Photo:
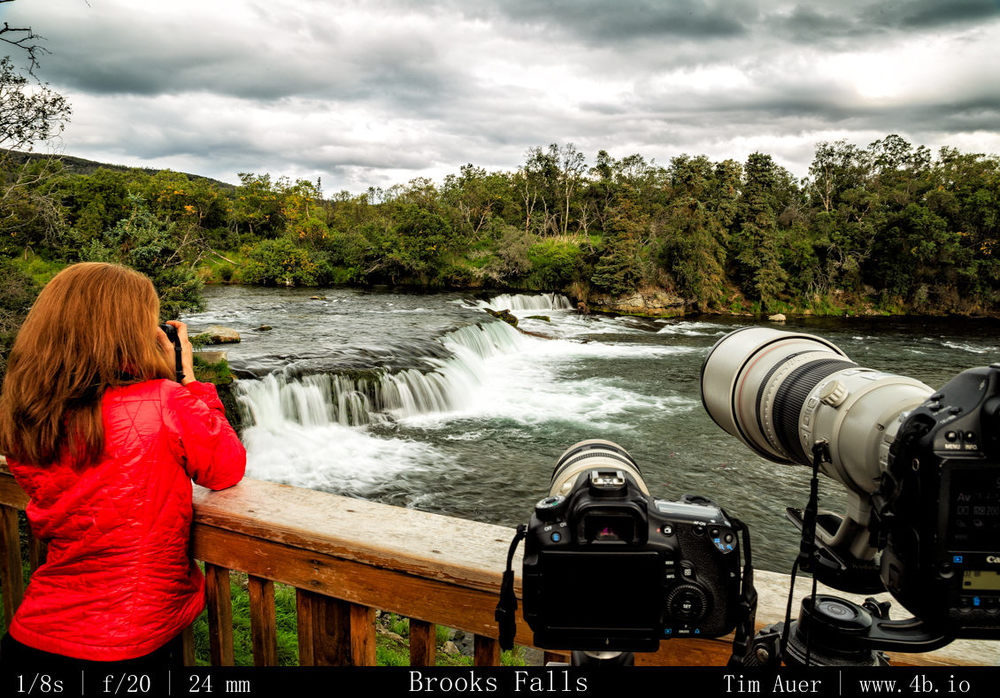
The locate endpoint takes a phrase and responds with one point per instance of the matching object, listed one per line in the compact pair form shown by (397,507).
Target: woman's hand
(187,351)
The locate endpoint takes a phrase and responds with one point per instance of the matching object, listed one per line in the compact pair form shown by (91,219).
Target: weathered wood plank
(557,657)
(423,643)
(10,563)
(406,540)
(220,614)
(332,634)
(487,651)
(11,493)
(263,624)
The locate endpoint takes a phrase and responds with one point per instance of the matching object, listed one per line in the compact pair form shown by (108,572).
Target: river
(426,401)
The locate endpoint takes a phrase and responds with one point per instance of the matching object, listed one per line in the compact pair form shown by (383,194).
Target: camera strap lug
(744,633)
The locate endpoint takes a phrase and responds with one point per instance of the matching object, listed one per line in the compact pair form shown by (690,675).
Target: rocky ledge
(652,301)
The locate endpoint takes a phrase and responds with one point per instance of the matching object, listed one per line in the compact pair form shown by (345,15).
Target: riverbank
(648,301)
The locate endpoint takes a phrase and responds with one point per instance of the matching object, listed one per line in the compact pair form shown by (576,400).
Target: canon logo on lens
(993,559)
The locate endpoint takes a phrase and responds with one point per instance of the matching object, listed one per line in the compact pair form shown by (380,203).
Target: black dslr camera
(937,510)
(607,567)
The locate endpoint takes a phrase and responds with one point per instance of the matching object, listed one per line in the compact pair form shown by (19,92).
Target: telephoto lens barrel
(781,392)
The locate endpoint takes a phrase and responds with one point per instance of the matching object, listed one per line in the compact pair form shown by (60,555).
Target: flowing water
(426,401)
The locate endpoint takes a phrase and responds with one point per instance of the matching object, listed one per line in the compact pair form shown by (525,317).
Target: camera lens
(781,392)
(756,378)
(590,455)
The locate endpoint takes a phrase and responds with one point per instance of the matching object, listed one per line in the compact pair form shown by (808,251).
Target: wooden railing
(348,557)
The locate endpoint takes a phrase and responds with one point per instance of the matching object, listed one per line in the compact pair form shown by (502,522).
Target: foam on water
(334,458)
(971,348)
(694,329)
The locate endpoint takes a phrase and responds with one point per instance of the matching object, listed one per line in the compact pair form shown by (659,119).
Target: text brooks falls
(549,681)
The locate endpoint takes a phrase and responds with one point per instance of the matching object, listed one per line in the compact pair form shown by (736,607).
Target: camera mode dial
(550,508)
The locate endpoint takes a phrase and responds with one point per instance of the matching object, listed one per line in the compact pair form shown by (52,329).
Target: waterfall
(523,301)
(357,399)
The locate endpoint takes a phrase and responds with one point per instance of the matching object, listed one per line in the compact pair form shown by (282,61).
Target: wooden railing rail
(347,557)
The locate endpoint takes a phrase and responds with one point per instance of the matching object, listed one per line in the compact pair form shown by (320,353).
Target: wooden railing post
(220,615)
(423,641)
(336,632)
(262,622)
(10,566)
(306,626)
(362,635)
(487,651)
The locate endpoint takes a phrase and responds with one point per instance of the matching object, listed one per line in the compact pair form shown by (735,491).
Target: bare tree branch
(26,40)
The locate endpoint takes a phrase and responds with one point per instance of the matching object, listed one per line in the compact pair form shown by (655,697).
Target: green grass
(217,373)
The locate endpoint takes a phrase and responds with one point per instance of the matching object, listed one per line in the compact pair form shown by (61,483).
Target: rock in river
(217,334)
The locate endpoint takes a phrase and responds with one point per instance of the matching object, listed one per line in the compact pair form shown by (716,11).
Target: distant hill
(81,166)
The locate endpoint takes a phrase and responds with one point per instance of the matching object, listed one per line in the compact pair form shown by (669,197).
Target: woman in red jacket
(106,445)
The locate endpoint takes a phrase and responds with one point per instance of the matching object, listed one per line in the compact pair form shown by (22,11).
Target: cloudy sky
(378,92)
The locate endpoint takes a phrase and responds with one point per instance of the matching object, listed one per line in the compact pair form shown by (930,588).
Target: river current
(426,401)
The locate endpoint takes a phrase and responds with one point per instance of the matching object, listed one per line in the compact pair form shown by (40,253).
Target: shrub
(554,263)
(279,262)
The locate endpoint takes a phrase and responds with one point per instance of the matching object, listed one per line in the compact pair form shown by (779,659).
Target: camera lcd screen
(974,523)
(593,590)
(980,580)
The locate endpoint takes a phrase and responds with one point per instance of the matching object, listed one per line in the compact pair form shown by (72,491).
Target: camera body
(175,339)
(938,508)
(606,567)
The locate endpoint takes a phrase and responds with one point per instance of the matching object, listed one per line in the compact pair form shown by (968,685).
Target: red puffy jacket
(119,580)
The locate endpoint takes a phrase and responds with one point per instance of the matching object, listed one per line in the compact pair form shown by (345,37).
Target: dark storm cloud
(927,14)
(861,20)
(601,20)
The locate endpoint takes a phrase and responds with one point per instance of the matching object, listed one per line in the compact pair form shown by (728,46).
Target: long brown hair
(92,327)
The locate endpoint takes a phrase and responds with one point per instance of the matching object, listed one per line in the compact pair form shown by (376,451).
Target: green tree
(756,242)
(617,269)
(17,293)
(147,244)
(694,245)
